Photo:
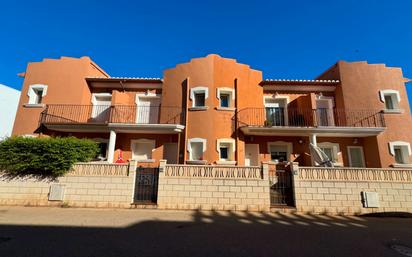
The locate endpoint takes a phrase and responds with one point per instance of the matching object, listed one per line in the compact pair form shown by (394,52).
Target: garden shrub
(45,156)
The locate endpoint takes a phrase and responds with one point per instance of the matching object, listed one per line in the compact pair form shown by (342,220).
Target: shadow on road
(214,234)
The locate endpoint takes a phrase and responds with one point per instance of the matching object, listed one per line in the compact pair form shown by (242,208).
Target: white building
(9,100)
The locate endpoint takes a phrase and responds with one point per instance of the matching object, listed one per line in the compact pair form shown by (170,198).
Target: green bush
(45,156)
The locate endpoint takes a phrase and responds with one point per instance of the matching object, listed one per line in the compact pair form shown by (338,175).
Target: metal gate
(146,183)
(281,188)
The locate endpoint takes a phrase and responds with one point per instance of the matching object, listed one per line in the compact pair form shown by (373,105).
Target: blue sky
(284,39)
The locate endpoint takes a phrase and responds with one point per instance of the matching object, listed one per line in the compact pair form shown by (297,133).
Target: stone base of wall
(213,194)
(80,191)
(341,193)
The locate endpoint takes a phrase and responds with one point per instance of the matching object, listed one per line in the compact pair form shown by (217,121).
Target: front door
(355,154)
(251,154)
(170,152)
(148,110)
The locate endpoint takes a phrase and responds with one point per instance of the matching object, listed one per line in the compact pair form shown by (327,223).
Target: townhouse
(216,111)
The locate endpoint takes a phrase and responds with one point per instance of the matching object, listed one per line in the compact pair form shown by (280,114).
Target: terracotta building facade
(216,111)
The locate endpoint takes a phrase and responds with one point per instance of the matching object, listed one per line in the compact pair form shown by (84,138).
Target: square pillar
(312,140)
(112,145)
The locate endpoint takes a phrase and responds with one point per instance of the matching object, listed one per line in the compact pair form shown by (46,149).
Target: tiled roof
(302,80)
(299,82)
(123,78)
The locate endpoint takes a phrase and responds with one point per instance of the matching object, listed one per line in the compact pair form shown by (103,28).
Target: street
(43,231)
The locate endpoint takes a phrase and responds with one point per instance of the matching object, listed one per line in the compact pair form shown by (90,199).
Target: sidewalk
(30,231)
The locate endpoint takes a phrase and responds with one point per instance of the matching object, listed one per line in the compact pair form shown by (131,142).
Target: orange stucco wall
(358,89)
(65,80)
(212,72)
(300,148)
(360,86)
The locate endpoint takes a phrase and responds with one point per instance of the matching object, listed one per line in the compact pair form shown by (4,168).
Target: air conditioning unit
(370,199)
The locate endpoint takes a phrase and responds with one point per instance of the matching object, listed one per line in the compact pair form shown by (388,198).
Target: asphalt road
(29,231)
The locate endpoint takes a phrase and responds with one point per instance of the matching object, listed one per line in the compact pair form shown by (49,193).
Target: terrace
(100,118)
(290,121)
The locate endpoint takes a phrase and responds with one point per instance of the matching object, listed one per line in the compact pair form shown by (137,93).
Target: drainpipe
(236,124)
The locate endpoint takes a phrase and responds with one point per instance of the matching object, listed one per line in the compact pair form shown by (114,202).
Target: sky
(284,39)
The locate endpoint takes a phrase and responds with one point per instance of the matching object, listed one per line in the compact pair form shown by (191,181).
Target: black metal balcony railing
(310,117)
(102,114)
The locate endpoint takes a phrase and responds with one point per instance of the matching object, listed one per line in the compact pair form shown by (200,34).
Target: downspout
(236,123)
(186,117)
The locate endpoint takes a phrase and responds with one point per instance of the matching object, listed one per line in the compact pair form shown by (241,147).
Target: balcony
(289,121)
(98,118)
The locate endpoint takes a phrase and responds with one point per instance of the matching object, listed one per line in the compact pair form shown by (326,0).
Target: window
(401,151)
(39,95)
(36,93)
(101,106)
(279,151)
(226,149)
(388,102)
(197,151)
(148,107)
(398,155)
(391,98)
(224,100)
(102,150)
(276,110)
(356,158)
(199,100)
(331,150)
(196,148)
(142,149)
(198,95)
(224,152)
(226,97)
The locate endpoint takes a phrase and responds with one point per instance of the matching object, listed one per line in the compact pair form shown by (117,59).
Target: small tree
(45,156)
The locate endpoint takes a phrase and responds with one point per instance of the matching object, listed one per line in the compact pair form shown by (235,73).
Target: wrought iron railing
(270,117)
(102,114)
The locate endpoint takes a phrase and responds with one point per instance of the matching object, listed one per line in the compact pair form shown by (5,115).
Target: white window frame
(289,148)
(396,98)
(144,141)
(195,140)
(31,93)
(362,153)
(231,151)
(405,154)
(285,108)
(335,150)
(195,90)
(230,92)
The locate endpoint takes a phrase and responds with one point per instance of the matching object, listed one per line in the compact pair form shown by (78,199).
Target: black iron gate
(146,183)
(281,188)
